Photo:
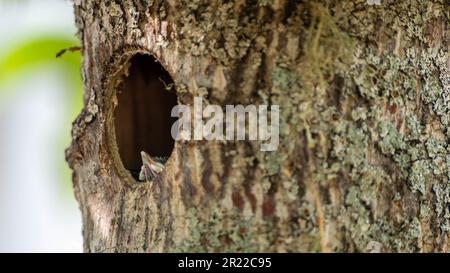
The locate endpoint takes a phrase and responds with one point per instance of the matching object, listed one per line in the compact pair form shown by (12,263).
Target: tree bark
(363,162)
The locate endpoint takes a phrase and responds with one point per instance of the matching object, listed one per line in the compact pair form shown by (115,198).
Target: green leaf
(40,53)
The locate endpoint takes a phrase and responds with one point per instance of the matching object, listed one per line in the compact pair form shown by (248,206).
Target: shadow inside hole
(142,116)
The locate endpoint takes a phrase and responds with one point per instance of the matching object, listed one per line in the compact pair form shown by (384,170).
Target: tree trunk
(363,162)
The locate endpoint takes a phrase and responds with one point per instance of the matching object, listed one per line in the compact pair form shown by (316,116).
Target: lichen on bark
(364,100)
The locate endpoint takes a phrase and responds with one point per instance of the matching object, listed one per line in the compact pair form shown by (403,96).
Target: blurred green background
(40,96)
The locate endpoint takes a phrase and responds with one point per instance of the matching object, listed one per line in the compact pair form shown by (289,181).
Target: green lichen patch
(216,231)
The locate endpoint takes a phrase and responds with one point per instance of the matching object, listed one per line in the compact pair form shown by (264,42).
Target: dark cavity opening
(142,115)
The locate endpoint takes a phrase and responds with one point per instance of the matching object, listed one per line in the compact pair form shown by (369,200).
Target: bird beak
(146,157)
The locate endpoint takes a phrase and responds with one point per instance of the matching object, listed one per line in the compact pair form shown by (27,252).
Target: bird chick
(150,168)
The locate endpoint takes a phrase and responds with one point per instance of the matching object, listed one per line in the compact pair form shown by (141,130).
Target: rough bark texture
(364,157)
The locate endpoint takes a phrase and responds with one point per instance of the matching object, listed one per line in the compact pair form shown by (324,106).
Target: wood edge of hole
(112,80)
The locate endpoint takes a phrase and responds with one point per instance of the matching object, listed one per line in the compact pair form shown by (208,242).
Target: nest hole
(142,118)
